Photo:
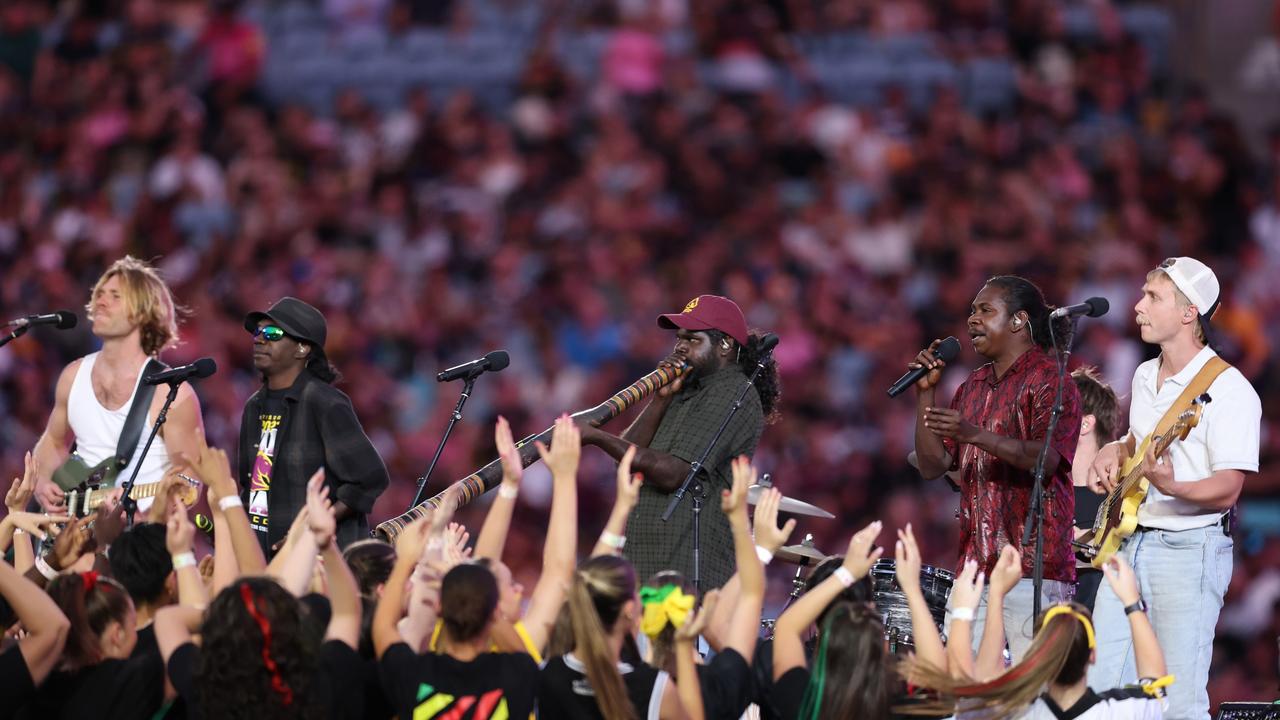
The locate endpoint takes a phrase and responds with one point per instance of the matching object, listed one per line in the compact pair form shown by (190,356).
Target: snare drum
(935,583)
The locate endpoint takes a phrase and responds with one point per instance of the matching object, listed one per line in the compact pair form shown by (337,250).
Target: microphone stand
(126,500)
(453,420)
(690,483)
(1036,511)
(17,333)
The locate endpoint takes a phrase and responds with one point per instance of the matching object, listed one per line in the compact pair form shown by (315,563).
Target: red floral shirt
(995,496)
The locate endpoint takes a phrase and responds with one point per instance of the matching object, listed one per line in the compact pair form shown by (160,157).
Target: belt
(1227,523)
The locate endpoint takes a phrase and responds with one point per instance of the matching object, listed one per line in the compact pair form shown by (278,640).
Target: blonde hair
(1182,301)
(1059,654)
(148,301)
(601,586)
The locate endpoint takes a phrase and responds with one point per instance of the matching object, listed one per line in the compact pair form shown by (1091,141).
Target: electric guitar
(1118,514)
(86,498)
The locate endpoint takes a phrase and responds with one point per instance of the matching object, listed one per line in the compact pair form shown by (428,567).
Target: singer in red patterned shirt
(992,433)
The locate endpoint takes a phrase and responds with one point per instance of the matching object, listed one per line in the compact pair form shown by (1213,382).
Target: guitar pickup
(1084,548)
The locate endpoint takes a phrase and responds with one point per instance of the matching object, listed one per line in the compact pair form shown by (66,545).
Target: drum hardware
(788,504)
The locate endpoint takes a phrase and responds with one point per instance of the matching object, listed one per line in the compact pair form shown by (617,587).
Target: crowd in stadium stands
(447,178)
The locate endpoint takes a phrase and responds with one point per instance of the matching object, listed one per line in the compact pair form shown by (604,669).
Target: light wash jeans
(1182,576)
(1018,607)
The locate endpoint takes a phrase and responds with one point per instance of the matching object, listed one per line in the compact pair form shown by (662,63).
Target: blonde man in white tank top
(132,311)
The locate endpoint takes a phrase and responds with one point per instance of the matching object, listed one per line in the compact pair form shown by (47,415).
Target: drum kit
(890,601)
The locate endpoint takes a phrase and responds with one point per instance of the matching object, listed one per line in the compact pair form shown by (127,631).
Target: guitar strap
(1198,385)
(137,417)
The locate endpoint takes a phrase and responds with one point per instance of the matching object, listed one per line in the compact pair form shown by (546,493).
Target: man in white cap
(1181,551)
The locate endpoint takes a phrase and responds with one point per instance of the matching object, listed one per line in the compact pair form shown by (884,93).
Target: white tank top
(97,430)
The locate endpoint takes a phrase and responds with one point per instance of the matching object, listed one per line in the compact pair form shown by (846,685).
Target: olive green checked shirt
(690,422)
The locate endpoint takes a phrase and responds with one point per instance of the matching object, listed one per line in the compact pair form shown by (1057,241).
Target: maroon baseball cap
(709,312)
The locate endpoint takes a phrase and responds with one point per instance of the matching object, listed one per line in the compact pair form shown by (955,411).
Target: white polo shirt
(1226,437)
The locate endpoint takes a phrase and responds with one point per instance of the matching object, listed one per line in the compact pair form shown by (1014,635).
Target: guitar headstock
(1191,416)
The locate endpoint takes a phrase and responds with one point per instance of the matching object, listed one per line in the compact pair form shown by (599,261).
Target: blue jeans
(1182,576)
(1018,607)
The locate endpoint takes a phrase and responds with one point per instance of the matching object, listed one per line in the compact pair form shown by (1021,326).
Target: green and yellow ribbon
(662,605)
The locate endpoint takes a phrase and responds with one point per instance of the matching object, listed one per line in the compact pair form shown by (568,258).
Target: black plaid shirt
(688,425)
(319,428)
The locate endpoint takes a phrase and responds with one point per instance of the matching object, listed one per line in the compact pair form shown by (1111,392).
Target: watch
(1139,606)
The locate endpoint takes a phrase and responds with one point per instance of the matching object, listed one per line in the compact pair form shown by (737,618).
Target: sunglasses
(270,333)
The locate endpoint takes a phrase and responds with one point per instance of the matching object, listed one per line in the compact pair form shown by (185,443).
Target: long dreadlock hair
(768,386)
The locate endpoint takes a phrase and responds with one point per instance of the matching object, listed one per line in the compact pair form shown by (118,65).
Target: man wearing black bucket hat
(298,423)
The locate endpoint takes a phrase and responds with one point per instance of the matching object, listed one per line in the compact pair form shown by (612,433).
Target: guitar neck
(94,497)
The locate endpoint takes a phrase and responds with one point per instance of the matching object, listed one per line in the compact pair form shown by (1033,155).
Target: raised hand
(696,623)
(566,448)
(455,548)
(512,469)
(412,541)
(1007,572)
(734,500)
(768,536)
(212,468)
(71,543)
(179,534)
(628,483)
(320,517)
(1120,577)
(108,522)
(21,491)
(967,590)
(907,560)
(36,525)
(863,552)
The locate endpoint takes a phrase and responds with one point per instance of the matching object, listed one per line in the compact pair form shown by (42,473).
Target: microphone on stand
(496,361)
(62,319)
(1093,307)
(202,368)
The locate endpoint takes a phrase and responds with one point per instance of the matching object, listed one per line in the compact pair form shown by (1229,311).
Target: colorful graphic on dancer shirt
(260,482)
(431,704)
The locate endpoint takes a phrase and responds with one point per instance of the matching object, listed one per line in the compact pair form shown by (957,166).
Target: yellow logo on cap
(692,304)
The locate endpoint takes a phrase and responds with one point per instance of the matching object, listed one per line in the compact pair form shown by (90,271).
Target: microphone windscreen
(948,349)
(768,343)
(66,320)
(498,360)
(205,367)
(1098,306)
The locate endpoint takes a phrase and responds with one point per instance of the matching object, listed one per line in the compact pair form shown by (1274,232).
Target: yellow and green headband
(662,605)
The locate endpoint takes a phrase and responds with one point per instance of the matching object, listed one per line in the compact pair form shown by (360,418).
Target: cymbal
(788,505)
(800,554)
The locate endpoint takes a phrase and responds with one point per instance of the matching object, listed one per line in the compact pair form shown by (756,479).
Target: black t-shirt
(565,692)
(727,686)
(124,689)
(16,685)
(435,681)
(258,504)
(788,692)
(339,666)
(1087,504)
(148,645)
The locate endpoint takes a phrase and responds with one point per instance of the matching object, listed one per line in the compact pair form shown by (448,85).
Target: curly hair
(149,302)
(768,385)
(246,674)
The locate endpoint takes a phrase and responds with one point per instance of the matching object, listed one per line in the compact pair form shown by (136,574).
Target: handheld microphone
(62,320)
(946,352)
(202,368)
(1093,307)
(495,361)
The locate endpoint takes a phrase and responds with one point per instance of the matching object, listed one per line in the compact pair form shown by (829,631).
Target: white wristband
(844,576)
(613,540)
(764,555)
(43,566)
(181,560)
(229,502)
(962,613)
(508,491)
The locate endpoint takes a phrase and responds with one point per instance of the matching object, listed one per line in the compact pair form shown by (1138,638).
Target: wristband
(613,540)
(229,502)
(508,491)
(963,613)
(844,576)
(1132,608)
(43,566)
(764,555)
(186,559)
